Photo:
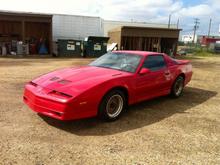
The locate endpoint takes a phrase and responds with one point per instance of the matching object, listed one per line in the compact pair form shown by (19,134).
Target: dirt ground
(160,131)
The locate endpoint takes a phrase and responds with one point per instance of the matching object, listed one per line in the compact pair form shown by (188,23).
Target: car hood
(74,81)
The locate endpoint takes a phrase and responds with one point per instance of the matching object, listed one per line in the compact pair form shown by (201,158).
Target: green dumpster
(95,46)
(70,48)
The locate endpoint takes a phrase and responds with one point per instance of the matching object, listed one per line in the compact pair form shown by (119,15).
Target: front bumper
(39,101)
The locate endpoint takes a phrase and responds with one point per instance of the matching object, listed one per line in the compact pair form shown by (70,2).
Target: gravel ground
(160,131)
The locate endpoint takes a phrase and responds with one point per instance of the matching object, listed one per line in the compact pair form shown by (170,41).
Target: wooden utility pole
(169,21)
(210,25)
(178,21)
(196,27)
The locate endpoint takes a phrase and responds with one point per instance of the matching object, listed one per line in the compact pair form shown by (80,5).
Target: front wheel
(177,88)
(112,105)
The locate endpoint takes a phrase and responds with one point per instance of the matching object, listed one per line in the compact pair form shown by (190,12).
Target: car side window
(154,63)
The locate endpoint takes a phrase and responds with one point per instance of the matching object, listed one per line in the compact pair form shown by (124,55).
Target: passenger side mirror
(144,71)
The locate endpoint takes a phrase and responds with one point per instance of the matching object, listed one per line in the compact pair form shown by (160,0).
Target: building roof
(75,15)
(20,13)
(158,28)
(7,12)
(119,28)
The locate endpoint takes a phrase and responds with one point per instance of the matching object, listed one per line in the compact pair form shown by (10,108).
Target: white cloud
(215,4)
(197,11)
(137,10)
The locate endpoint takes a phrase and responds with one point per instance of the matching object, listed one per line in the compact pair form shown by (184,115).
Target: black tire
(106,105)
(177,87)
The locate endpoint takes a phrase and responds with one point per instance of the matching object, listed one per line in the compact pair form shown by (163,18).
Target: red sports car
(106,86)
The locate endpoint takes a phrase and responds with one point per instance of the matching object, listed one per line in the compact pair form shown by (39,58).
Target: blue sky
(126,10)
(188,3)
(210,10)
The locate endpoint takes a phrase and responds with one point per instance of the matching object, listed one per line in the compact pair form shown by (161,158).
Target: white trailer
(76,27)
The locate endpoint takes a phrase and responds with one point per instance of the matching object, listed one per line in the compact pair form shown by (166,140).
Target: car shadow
(137,116)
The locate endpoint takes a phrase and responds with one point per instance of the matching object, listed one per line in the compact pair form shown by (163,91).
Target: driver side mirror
(144,71)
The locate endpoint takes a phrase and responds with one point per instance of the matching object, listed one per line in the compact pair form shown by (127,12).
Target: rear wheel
(177,88)
(112,105)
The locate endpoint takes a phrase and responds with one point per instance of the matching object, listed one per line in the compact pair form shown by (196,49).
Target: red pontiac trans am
(106,86)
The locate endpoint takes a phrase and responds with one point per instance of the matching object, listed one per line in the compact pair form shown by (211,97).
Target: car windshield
(118,61)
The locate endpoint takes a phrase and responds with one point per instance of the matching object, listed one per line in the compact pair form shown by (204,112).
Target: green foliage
(194,51)
(198,50)
(203,51)
(181,43)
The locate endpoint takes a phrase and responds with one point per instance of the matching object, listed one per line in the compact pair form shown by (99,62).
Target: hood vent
(32,83)
(54,78)
(64,82)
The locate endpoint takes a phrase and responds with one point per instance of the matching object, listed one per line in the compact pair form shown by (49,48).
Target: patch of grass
(203,53)
(188,57)
(199,51)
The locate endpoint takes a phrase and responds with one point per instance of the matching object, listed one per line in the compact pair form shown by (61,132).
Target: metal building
(76,27)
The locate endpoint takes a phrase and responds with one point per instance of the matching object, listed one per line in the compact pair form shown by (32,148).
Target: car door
(156,81)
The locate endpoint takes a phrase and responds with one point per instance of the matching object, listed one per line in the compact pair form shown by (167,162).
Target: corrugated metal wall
(76,27)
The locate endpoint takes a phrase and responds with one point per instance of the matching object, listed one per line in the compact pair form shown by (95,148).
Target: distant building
(207,40)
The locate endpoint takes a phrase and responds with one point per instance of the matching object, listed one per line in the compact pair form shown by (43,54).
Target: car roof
(142,53)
